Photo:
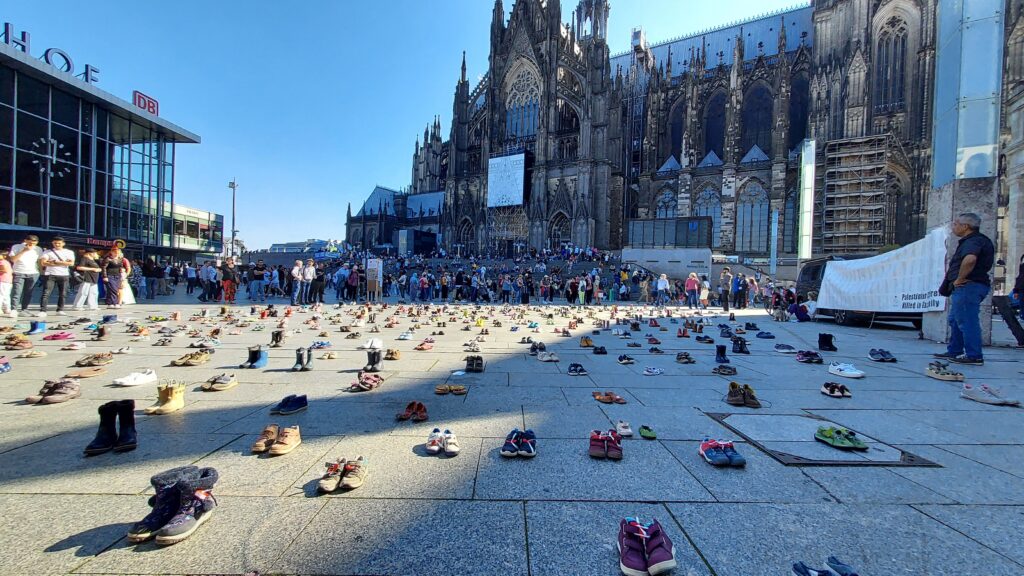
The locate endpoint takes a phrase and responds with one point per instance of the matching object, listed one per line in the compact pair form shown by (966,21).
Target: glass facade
(76,168)
(968,82)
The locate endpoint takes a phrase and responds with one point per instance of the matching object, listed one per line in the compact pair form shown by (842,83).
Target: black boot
(300,359)
(106,436)
(720,356)
(739,345)
(254,355)
(193,509)
(127,439)
(378,356)
(307,362)
(276,338)
(825,343)
(369,361)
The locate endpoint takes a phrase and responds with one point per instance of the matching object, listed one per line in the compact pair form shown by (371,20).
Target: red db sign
(146,103)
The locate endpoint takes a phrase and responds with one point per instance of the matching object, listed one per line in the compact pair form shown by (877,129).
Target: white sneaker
(435,442)
(61,313)
(41,315)
(451,444)
(622,427)
(13,313)
(845,370)
(653,371)
(137,378)
(986,395)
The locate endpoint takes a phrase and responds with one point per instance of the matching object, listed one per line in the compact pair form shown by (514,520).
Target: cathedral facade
(709,125)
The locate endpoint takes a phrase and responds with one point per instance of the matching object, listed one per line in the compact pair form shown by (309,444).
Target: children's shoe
(435,442)
(845,370)
(622,427)
(712,452)
(598,444)
(661,553)
(801,569)
(331,479)
(451,444)
(653,371)
(736,459)
(528,444)
(510,449)
(613,445)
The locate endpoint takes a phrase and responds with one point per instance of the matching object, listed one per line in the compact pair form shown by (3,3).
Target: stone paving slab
(872,486)
(875,539)
(965,481)
(987,525)
(559,527)
(54,534)
(422,537)
(1008,458)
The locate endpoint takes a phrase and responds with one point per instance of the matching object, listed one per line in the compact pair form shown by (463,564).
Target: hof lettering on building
(55,57)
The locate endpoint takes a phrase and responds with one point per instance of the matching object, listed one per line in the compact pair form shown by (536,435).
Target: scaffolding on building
(508,229)
(857,206)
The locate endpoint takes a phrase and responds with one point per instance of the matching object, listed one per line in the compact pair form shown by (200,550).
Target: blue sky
(308,104)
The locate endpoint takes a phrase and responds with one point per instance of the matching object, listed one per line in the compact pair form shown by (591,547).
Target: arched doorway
(558,231)
(466,236)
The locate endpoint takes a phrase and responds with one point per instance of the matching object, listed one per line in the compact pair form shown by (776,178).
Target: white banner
(505,180)
(904,280)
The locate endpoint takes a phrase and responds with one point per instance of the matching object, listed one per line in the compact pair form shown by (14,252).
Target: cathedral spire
(782,36)
(464,64)
(668,64)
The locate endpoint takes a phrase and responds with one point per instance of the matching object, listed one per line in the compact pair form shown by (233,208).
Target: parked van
(809,280)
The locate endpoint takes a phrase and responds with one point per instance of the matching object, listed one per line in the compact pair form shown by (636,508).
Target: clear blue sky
(308,104)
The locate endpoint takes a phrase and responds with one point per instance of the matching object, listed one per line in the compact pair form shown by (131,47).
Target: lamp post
(234,186)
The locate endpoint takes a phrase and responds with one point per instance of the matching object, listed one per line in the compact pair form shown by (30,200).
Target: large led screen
(505,180)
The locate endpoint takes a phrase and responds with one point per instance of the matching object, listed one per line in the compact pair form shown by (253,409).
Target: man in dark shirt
(257,275)
(968,278)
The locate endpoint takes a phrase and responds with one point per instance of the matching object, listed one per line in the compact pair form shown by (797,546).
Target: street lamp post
(234,186)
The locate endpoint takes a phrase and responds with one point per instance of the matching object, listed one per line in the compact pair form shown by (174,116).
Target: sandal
(457,390)
(86,373)
(941,371)
(442,389)
(602,398)
(614,397)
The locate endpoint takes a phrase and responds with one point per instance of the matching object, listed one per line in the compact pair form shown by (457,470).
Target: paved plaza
(940,491)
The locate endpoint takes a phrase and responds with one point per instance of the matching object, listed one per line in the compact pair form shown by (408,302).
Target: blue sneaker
(5,366)
(528,444)
(736,459)
(511,447)
(296,404)
(713,453)
(284,402)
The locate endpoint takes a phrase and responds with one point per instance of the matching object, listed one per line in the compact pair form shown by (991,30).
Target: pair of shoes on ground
(475,364)
(653,371)
(836,390)
(415,411)
(840,438)
(880,355)
(605,444)
(182,503)
(170,398)
(644,548)
(519,443)
(742,395)
(259,356)
(109,437)
(445,442)
(576,369)
(277,441)
(291,404)
(809,357)
(685,358)
(56,392)
(845,370)
(455,389)
(220,383)
(724,370)
(547,357)
(608,397)
(940,371)
(194,358)
(303,360)
(987,395)
(342,473)
(720,453)
(147,376)
(625,359)
(841,569)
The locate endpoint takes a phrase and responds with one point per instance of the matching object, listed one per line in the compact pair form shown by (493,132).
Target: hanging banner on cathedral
(505,180)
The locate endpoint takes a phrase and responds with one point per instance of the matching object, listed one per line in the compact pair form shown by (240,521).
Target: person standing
(190,278)
(229,276)
(256,282)
(56,264)
(149,273)
(352,284)
(88,290)
(6,279)
(295,276)
(725,287)
(967,283)
(115,266)
(25,262)
(308,274)
(692,288)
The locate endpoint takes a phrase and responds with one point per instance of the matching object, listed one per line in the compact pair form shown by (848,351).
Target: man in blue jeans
(967,277)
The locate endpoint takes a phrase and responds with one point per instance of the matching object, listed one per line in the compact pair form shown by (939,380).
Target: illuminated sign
(146,103)
(55,57)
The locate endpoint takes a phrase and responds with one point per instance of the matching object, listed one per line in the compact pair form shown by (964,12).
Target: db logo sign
(146,103)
